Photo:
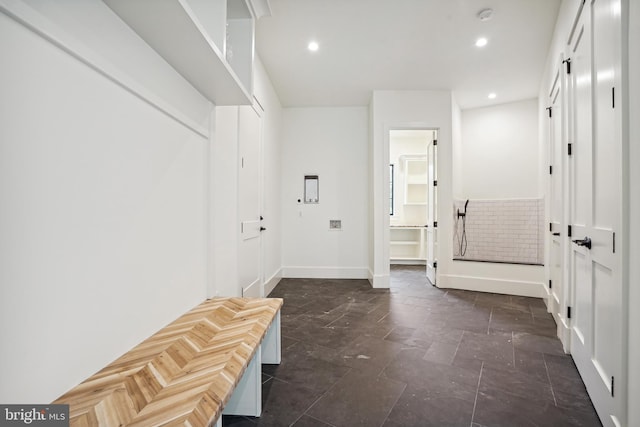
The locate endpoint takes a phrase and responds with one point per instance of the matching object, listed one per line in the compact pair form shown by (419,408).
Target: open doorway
(412,198)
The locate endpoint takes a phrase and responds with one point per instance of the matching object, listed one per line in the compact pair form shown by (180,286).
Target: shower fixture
(462,240)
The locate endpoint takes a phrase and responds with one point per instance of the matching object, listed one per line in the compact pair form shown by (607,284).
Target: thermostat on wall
(311,189)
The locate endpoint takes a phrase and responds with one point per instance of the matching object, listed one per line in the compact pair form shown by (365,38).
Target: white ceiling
(405,45)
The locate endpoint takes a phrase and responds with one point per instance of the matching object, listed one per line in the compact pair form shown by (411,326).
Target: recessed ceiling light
(313,46)
(492,95)
(481,42)
(485,14)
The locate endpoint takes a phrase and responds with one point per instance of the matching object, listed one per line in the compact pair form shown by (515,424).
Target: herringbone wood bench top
(182,375)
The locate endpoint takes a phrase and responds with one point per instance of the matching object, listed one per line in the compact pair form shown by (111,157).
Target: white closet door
(249,203)
(595,211)
(558,241)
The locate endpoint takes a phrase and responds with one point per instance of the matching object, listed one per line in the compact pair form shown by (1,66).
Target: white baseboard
(252,291)
(498,286)
(325,272)
(272,282)
(380,281)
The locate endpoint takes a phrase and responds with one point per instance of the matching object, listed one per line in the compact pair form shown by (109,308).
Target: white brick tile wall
(501,230)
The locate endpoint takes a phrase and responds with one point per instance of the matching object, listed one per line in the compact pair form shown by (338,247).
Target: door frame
(385,187)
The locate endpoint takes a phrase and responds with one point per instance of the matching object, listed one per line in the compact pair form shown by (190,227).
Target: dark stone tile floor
(416,355)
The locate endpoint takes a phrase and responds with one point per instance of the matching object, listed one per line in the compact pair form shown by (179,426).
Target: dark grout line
(513,350)
(475,402)
(401,300)
(546,368)
(321,396)
(393,406)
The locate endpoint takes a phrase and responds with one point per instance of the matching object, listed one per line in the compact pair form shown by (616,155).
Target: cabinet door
(249,201)
(595,211)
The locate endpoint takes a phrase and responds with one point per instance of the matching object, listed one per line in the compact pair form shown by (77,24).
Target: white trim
(272,282)
(381,281)
(498,286)
(301,272)
(35,22)
(252,291)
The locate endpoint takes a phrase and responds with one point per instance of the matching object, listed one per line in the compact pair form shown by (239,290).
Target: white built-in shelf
(407,243)
(415,179)
(209,42)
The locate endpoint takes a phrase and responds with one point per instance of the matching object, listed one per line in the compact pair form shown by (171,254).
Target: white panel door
(249,202)
(557,140)
(595,211)
(432,209)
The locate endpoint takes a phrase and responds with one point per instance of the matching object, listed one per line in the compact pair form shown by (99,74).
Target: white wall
(224,213)
(499,151)
(103,217)
(331,143)
(456,142)
(495,158)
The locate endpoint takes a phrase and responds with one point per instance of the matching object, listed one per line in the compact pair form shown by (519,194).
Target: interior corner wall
(331,143)
(495,152)
(371,192)
(103,189)
(499,151)
(456,142)
(223,212)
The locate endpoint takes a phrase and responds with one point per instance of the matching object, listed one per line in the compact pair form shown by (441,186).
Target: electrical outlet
(335,224)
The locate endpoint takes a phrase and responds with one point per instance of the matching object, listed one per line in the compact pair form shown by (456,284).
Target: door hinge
(435,142)
(242,162)
(612,384)
(568,62)
(569,230)
(549,283)
(435,182)
(613,97)
(435,264)
(549,109)
(568,312)
(614,242)
(550,170)
(435,224)
(569,147)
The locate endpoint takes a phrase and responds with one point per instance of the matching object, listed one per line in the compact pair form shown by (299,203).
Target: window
(391,178)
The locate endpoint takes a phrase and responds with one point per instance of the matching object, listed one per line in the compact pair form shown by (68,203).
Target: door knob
(586,242)
(262,228)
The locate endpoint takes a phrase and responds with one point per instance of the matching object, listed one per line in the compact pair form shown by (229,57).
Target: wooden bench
(207,360)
